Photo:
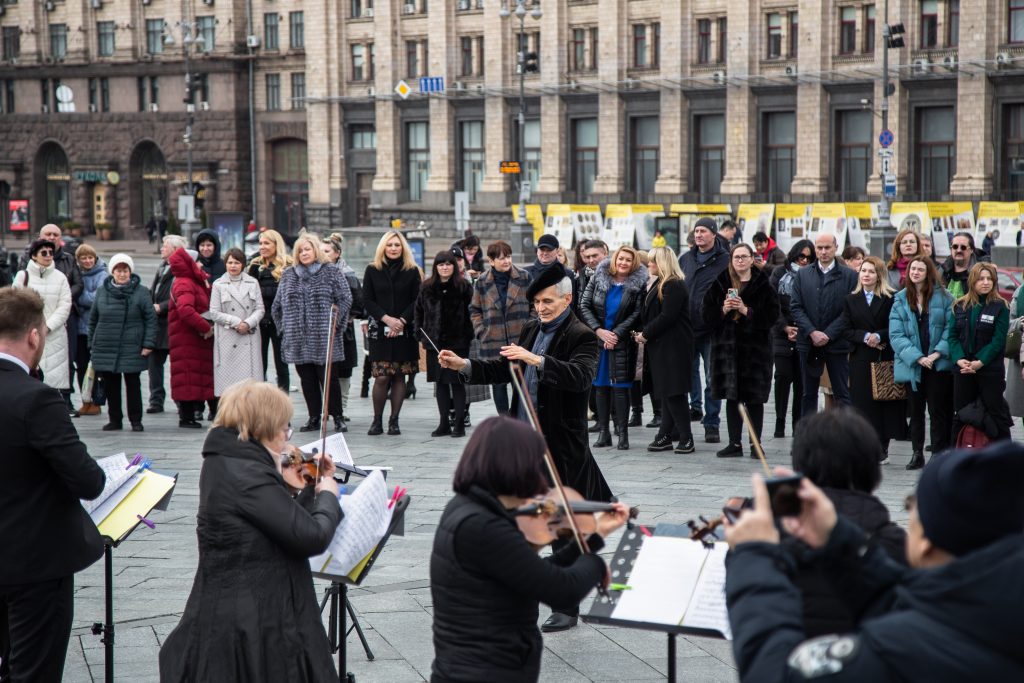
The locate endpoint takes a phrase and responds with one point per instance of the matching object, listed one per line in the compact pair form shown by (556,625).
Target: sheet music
(336,447)
(662,581)
(366,520)
(116,469)
(707,607)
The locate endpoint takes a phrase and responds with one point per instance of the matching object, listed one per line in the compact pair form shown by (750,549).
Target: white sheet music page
(662,581)
(117,471)
(366,520)
(707,607)
(336,447)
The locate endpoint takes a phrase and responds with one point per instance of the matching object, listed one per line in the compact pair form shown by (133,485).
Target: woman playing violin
(252,614)
(486,579)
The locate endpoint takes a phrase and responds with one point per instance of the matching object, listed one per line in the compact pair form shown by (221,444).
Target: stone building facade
(635,101)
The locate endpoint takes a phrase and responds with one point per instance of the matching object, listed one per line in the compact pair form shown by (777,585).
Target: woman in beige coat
(236,308)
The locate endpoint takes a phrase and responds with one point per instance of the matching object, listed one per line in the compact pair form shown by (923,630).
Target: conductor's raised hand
(757,524)
(448,360)
(817,516)
(516,352)
(607,522)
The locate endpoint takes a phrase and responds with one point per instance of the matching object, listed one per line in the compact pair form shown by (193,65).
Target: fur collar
(636,282)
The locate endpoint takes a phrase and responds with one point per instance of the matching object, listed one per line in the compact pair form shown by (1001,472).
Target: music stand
(337,594)
(621,566)
(106,629)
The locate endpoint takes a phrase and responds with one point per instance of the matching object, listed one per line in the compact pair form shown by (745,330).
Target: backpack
(971,437)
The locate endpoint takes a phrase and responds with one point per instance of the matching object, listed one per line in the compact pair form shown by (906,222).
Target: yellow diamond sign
(403,89)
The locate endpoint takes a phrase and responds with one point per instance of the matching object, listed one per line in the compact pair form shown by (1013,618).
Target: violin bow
(519,384)
(753,439)
(335,312)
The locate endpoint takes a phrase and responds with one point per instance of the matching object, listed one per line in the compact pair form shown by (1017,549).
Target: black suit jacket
(860,319)
(161,291)
(45,469)
(562,393)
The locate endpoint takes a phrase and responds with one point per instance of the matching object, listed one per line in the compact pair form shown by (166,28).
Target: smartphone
(782,491)
(733,293)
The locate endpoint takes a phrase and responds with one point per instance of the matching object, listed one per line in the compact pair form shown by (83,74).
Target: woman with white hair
(302,313)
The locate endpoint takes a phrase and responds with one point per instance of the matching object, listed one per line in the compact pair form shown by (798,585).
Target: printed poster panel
(1001,221)
(534,216)
(949,218)
(754,218)
(791,221)
(18,210)
(689,213)
(559,223)
(829,219)
(860,218)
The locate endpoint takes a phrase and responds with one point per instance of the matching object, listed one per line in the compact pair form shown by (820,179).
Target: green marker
(619,587)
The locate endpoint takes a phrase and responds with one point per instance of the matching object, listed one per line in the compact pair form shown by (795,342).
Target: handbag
(883,382)
(1013,339)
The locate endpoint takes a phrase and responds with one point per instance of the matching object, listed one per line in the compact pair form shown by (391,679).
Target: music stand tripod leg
(671,658)
(359,630)
(106,629)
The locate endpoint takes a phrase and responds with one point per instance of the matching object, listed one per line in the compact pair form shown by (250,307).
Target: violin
(307,465)
(707,531)
(543,520)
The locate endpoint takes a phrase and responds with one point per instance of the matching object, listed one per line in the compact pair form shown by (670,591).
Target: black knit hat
(548,277)
(706,222)
(969,498)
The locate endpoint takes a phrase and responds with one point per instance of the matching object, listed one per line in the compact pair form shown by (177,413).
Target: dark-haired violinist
(558,355)
(486,578)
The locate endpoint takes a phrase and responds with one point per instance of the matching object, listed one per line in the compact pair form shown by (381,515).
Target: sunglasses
(45,252)
(803,257)
(959,247)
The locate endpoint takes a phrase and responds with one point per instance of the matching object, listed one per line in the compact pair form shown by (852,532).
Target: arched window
(58,183)
(149,171)
(290,180)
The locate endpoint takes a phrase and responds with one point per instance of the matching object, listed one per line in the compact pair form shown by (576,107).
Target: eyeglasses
(803,257)
(45,252)
(742,257)
(959,247)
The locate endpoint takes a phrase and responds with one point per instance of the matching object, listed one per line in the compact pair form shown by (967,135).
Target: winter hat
(40,243)
(548,277)
(547,242)
(121,259)
(969,498)
(708,223)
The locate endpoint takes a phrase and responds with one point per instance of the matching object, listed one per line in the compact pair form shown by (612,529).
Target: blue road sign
(889,186)
(886,138)
(431,84)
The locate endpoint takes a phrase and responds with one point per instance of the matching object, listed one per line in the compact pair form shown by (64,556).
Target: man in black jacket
(819,292)
(701,266)
(954,615)
(161,293)
(558,355)
(45,533)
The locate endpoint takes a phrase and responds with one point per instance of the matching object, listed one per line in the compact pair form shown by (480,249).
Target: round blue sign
(885,138)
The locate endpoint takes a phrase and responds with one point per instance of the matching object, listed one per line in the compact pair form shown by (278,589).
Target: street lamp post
(522,231)
(892,38)
(191,39)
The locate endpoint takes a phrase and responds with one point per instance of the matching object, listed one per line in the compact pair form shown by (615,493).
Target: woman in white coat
(236,308)
(41,275)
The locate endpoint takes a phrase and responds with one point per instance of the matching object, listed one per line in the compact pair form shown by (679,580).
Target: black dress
(669,334)
(391,291)
(889,418)
(252,614)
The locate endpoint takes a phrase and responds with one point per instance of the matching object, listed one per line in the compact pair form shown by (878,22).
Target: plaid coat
(492,326)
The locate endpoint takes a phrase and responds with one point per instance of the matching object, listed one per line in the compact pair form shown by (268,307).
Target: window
(296,30)
(774,36)
(794,34)
(154,36)
(362,8)
(853,153)
(639,46)
(779,153)
(413,60)
(149,93)
(7,96)
(44,91)
(299,90)
(655,44)
(371,49)
(271,35)
(584,157)
(929,23)
(12,43)
(847,30)
(206,28)
(290,177)
(709,134)
(58,183)
(869,29)
(363,137)
(273,83)
(953,26)
(472,157)
(202,86)
(466,56)
(583,49)
(104,94)
(531,152)
(936,151)
(723,34)
(703,41)
(58,41)
(1013,162)
(417,136)
(645,134)
(105,38)
(1016,21)
(358,62)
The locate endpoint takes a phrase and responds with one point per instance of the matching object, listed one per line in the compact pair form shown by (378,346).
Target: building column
(387,182)
(673,159)
(741,124)
(612,128)
(501,38)
(443,136)
(812,135)
(323,117)
(553,129)
(975,153)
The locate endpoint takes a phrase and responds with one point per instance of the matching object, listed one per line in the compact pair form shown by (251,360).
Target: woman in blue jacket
(917,333)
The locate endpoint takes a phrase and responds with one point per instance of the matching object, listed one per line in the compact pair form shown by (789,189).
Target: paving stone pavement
(153,570)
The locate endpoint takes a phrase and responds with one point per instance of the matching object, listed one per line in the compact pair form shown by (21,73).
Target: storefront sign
(96,176)
(181,177)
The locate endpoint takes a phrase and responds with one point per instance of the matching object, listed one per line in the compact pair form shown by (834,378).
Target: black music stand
(621,566)
(106,628)
(337,595)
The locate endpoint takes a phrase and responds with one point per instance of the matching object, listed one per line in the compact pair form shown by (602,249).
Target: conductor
(559,356)
(44,470)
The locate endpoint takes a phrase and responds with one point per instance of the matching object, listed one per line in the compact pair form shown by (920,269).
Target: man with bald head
(819,291)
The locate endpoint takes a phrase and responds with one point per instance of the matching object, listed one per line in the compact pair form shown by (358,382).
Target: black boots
(444,428)
(602,396)
(622,418)
(312,424)
(637,419)
(376,428)
(393,429)
(916,461)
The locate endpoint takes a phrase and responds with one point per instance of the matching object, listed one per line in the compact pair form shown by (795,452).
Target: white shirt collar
(829,269)
(14,359)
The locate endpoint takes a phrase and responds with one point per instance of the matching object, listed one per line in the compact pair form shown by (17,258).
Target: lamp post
(191,39)
(522,231)
(892,38)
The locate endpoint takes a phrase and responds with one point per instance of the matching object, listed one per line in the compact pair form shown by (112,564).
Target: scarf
(540,347)
(306,272)
(501,281)
(901,265)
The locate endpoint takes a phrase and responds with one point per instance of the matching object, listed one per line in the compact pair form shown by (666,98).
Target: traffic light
(894,37)
(531,63)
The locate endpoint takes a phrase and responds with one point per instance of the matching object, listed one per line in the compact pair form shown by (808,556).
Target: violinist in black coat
(45,534)
(486,578)
(865,326)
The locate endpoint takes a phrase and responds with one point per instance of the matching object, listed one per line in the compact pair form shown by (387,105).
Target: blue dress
(611,308)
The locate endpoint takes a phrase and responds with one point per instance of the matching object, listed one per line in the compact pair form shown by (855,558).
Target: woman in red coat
(191,340)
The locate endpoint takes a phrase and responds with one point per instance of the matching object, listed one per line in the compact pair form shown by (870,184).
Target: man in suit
(559,355)
(161,292)
(45,532)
